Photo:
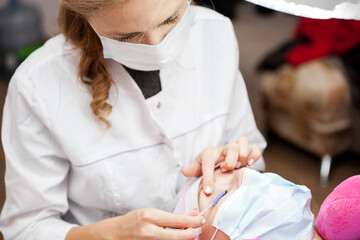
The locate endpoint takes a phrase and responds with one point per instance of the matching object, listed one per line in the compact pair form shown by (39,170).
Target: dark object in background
(20,35)
(330,36)
(315,38)
(264,11)
(274,59)
(351,61)
(225,7)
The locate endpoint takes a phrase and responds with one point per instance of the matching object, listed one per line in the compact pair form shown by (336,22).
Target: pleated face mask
(150,57)
(267,207)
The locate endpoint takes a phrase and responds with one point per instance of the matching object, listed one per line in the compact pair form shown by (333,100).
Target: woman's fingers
(175,234)
(204,165)
(194,212)
(247,155)
(157,224)
(255,154)
(149,223)
(166,219)
(209,159)
(240,154)
(244,150)
(231,153)
(194,169)
(153,231)
(233,156)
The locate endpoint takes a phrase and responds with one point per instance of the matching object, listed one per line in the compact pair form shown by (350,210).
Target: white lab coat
(63,167)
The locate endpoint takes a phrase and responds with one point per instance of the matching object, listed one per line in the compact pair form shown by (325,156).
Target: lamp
(319,9)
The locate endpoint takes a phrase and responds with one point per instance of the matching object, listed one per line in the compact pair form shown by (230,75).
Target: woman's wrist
(81,232)
(97,231)
(107,229)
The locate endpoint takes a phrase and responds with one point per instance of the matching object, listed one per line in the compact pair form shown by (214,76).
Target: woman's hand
(233,155)
(317,236)
(141,224)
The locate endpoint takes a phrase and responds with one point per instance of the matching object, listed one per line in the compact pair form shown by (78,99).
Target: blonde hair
(73,23)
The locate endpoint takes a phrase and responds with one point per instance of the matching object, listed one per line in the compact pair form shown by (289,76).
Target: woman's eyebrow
(172,16)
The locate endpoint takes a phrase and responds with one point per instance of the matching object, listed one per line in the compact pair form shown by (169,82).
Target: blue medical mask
(268,207)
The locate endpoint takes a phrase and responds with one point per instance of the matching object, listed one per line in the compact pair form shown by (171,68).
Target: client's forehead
(223,178)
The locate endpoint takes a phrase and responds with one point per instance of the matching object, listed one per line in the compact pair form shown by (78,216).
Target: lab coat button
(158,105)
(178,165)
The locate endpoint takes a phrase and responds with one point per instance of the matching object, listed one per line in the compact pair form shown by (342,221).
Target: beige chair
(309,105)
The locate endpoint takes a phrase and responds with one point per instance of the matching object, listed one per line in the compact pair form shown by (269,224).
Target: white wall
(49,11)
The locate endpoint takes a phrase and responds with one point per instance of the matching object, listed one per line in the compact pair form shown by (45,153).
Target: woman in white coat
(105,123)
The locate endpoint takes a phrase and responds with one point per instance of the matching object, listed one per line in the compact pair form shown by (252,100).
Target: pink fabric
(180,206)
(180,201)
(339,215)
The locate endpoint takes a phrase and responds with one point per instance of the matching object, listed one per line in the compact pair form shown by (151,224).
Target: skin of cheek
(208,230)
(229,181)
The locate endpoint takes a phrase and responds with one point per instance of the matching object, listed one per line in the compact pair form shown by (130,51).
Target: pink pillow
(339,216)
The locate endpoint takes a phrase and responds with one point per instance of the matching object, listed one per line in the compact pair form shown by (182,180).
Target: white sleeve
(241,122)
(36,169)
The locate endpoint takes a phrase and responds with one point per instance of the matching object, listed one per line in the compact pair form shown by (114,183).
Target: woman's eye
(123,39)
(126,38)
(172,21)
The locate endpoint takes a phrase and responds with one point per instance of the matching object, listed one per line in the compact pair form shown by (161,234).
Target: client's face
(229,181)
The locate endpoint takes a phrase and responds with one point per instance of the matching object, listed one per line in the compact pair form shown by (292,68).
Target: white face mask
(150,57)
(266,206)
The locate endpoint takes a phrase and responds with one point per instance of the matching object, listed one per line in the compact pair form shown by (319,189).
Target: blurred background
(302,77)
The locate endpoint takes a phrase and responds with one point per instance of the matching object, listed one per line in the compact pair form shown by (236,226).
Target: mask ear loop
(214,234)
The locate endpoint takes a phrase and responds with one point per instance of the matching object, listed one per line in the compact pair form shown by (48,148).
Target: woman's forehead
(135,15)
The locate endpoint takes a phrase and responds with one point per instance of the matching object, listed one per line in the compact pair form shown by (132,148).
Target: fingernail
(203,221)
(223,170)
(238,165)
(251,162)
(208,190)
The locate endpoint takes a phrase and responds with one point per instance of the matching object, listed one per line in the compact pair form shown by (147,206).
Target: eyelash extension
(172,21)
(125,39)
